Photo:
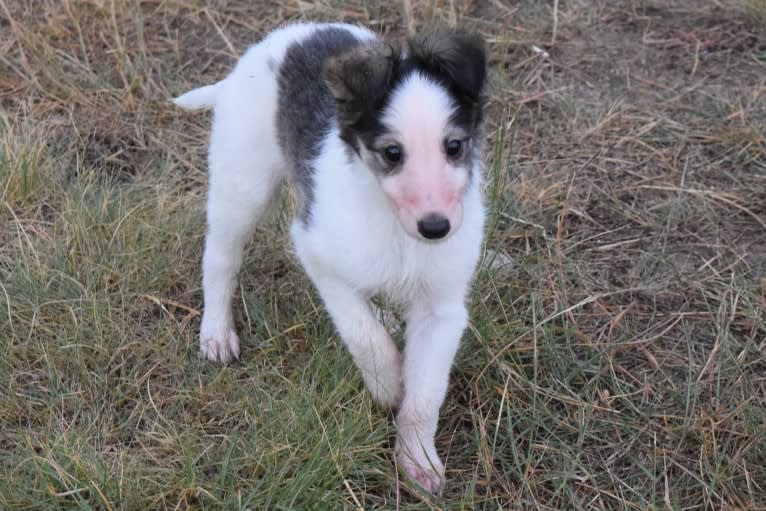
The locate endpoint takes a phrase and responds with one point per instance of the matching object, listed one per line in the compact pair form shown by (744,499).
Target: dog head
(413,116)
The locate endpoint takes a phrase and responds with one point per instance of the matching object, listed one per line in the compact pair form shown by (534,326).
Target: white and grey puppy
(382,146)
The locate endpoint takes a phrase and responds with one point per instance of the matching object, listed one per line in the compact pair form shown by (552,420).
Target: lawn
(616,357)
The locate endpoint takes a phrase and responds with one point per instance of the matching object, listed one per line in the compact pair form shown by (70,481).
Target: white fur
(355,245)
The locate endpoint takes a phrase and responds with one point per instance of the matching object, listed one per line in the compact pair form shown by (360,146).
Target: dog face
(414,117)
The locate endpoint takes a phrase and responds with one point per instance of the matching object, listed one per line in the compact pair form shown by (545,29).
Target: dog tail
(199,99)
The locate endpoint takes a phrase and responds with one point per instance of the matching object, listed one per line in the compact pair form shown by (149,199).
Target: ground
(616,357)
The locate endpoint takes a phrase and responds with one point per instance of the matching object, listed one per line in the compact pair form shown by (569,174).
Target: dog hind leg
(232,216)
(246,171)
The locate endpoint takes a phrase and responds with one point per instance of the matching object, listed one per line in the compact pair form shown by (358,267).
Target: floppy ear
(359,79)
(457,57)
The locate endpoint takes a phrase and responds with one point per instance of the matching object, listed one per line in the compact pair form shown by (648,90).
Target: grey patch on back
(271,63)
(306,108)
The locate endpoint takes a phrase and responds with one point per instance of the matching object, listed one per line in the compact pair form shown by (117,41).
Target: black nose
(433,226)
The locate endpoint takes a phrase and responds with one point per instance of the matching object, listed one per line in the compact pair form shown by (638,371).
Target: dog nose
(433,226)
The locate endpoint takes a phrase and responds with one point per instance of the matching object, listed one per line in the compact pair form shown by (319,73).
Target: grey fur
(306,110)
(360,82)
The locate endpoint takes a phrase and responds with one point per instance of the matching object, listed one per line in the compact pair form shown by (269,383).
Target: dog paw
(384,380)
(425,469)
(220,348)
(386,390)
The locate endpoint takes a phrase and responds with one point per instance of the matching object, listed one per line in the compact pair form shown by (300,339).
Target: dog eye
(454,148)
(393,154)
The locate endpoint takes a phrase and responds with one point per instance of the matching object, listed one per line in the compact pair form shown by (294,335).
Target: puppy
(383,148)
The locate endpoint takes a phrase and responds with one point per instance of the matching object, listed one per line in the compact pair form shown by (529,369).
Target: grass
(616,357)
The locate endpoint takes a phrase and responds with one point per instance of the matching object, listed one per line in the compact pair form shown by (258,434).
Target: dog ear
(457,57)
(359,79)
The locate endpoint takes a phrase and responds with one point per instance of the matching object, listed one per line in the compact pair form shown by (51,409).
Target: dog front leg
(372,349)
(433,336)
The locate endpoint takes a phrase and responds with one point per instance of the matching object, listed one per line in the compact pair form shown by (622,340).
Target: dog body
(383,150)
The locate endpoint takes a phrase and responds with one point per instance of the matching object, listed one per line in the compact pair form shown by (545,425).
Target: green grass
(619,361)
